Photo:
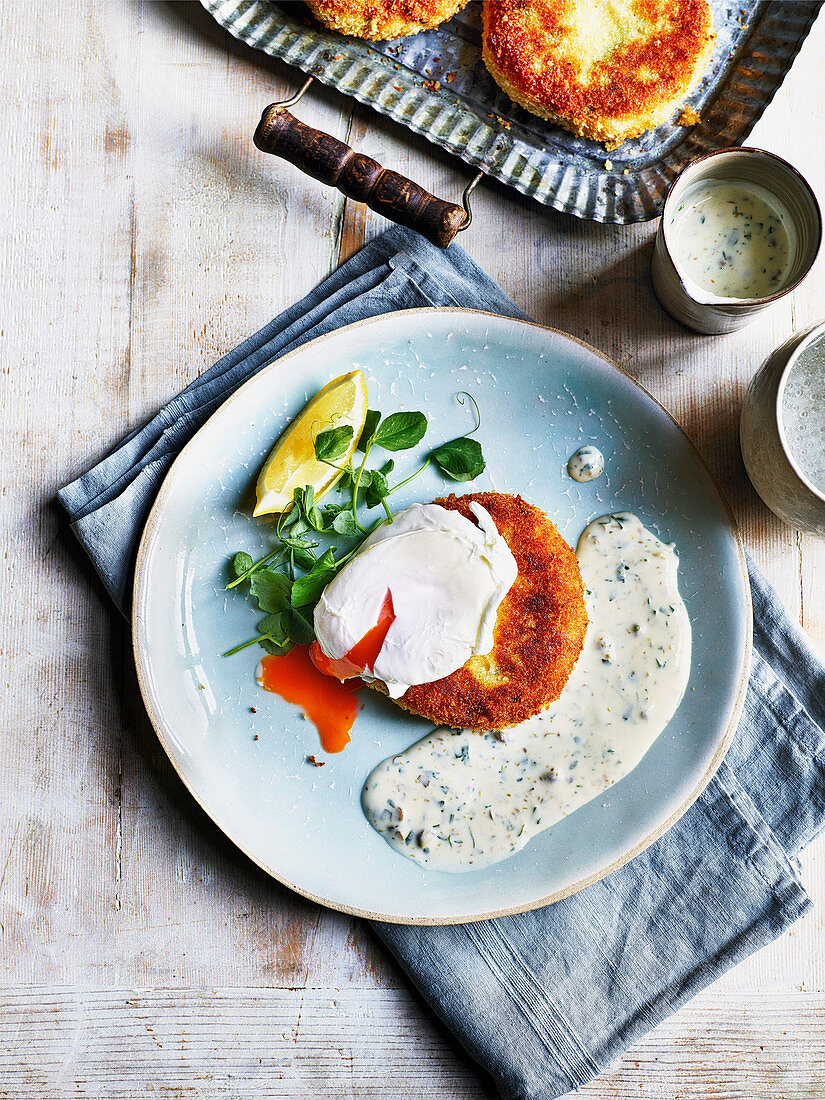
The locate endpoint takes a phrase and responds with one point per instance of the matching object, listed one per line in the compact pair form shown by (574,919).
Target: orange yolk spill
(307,677)
(330,705)
(363,654)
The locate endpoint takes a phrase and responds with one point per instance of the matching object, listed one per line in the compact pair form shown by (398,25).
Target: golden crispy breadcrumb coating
(538,634)
(374,19)
(605,69)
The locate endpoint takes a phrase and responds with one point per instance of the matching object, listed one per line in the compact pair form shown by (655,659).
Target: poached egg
(428,586)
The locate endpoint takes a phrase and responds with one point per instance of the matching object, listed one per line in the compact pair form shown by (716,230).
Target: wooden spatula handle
(332,161)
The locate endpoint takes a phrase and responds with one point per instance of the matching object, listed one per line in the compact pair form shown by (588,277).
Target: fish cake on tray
(604,69)
(538,635)
(381,19)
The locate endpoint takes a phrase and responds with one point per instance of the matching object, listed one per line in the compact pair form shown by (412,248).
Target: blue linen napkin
(544,1001)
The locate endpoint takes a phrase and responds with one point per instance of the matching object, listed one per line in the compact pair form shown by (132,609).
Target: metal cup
(772,467)
(701,310)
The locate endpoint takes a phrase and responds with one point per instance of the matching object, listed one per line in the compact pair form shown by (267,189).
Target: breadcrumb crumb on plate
(689,117)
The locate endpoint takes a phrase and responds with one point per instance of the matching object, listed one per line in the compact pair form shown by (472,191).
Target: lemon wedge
(292,463)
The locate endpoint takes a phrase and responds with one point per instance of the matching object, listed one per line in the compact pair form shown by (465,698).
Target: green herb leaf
(303,557)
(273,626)
(331,444)
(306,590)
(400,430)
(370,424)
(388,467)
(275,635)
(241,563)
(289,519)
(300,527)
(377,490)
(345,524)
(300,628)
(460,459)
(316,519)
(271,590)
(300,544)
(327,561)
(345,481)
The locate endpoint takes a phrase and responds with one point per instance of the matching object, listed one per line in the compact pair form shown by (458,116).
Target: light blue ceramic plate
(542,395)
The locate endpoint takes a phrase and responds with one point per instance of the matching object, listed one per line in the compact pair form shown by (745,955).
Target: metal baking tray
(436,84)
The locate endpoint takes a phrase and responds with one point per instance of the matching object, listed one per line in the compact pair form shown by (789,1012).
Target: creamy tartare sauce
(731,239)
(461,800)
(586,464)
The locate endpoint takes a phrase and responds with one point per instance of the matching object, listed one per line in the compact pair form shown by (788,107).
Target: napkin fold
(544,1001)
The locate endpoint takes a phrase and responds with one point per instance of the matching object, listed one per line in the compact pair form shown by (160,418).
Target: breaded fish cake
(538,634)
(605,69)
(383,18)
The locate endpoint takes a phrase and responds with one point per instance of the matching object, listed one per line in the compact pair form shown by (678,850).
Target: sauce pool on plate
(731,239)
(458,801)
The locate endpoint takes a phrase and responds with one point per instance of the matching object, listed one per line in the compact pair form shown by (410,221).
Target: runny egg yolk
(329,704)
(364,654)
(324,688)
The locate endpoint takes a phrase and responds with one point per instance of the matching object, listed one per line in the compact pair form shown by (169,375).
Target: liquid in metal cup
(740,229)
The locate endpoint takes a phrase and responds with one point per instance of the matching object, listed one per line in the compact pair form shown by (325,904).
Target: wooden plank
(369,1044)
(226,1042)
(67,267)
(755,1047)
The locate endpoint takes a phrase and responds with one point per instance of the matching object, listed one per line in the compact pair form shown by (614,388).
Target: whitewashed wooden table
(142,955)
